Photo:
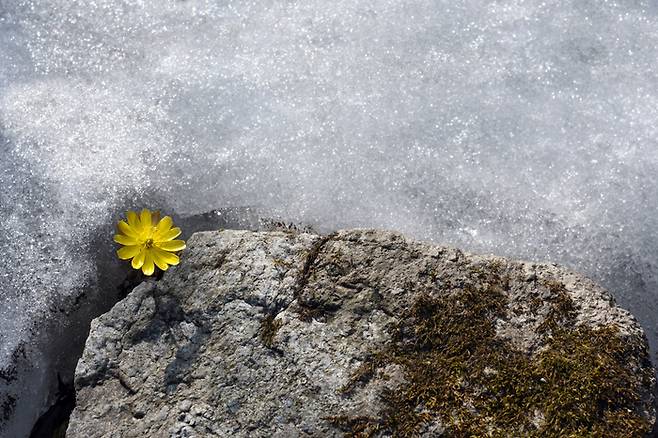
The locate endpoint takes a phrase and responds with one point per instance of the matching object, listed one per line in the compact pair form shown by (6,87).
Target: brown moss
(308,312)
(458,373)
(363,373)
(356,427)
(268,330)
(282,264)
(562,310)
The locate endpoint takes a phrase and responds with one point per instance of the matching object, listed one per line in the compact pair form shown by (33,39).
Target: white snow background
(521,128)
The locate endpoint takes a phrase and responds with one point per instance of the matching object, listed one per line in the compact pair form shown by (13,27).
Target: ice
(521,128)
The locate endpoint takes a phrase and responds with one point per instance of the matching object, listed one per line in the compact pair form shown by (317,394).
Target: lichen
(458,373)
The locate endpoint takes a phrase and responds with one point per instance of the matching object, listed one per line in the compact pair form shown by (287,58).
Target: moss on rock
(269,327)
(459,374)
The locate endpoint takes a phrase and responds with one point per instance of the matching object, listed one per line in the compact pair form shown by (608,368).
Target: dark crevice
(53,423)
(309,310)
(311,257)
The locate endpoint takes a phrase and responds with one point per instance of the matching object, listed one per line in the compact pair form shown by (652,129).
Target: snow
(521,128)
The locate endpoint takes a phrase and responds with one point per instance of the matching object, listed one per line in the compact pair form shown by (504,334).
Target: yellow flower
(148,241)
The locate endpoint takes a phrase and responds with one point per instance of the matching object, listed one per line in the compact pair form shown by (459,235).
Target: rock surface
(36,380)
(279,334)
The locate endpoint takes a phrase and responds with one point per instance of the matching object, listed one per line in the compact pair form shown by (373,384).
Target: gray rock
(36,378)
(279,334)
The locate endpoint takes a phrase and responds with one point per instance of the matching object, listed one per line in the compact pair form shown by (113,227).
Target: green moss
(457,372)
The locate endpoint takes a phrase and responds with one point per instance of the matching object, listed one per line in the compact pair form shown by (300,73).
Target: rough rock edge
(142,304)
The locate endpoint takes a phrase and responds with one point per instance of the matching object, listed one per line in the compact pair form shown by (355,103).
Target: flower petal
(145,218)
(128,252)
(169,235)
(125,240)
(159,260)
(133,220)
(163,226)
(126,229)
(172,245)
(148,268)
(138,260)
(164,256)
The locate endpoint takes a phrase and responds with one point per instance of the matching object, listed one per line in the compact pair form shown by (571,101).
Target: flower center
(149,243)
